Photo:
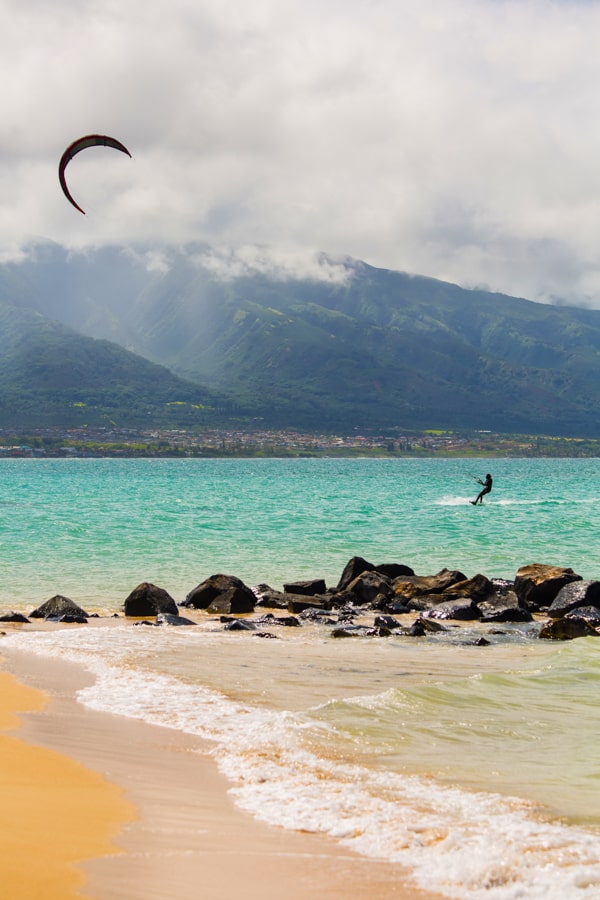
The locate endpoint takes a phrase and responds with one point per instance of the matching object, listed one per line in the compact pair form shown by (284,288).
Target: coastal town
(123,442)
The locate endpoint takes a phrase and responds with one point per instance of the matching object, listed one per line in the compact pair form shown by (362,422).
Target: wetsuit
(487,486)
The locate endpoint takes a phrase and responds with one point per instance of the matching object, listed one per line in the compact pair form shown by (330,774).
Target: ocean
(475,767)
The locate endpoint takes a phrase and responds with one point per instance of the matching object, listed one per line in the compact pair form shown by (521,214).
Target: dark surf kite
(82,143)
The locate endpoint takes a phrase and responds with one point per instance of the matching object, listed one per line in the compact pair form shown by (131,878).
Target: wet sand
(178,833)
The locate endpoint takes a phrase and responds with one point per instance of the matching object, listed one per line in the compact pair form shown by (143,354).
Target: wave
(468,845)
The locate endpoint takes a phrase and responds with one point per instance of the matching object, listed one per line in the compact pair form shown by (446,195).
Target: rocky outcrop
(503,606)
(149,600)
(222,595)
(57,607)
(537,585)
(357,566)
(306,588)
(408,586)
(567,628)
(574,595)
(14,617)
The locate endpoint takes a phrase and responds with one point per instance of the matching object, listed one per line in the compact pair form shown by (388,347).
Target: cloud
(450,138)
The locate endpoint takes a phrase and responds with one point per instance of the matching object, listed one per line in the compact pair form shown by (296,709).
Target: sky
(458,139)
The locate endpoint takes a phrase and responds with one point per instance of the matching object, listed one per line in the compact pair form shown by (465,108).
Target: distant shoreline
(118,442)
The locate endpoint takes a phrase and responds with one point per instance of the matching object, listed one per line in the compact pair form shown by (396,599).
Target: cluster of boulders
(376,592)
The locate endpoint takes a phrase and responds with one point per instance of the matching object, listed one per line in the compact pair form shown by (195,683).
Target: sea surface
(475,767)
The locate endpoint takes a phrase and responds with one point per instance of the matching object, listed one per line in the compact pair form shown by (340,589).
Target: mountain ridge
(376,349)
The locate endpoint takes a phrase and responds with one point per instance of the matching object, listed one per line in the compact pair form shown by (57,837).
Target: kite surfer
(486,488)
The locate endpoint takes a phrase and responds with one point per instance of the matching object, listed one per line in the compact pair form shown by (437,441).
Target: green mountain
(379,349)
(50,374)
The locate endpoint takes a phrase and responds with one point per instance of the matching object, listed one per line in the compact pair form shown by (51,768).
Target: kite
(90,140)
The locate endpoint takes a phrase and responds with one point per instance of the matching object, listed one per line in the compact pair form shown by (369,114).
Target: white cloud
(453,138)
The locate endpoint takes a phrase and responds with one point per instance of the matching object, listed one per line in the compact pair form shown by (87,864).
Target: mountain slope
(49,374)
(380,349)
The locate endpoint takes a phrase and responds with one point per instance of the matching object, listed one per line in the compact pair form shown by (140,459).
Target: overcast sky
(453,138)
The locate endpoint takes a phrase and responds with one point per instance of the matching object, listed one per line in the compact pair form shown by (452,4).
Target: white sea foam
(464,844)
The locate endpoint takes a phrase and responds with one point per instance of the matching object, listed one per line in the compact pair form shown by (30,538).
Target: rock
(265,634)
(353,568)
(387,622)
(354,631)
(503,607)
(235,601)
(409,586)
(69,618)
(463,609)
(297,603)
(574,595)
(537,585)
(567,628)
(319,615)
(591,614)
(271,599)
(397,608)
(170,619)
(58,606)
(394,570)
(231,589)
(369,586)
(149,600)
(476,588)
(306,588)
(287,621)
(14,617)
(239,625)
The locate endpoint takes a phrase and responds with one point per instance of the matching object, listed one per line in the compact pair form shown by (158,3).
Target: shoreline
(186,831)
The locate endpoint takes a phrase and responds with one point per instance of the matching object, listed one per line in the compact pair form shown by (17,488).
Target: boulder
(14,617)
(537,585)
(463,609)
(353,568)
(218,591)
(170,619)
(408,586)
(591,614)
(476,588)
(574,595)
(272,599)
(503,607)
(297,603)
(567,628)
(234,601)
(394,570)
(306,588)
(59,606)
(149,600)
(369,586)
(239,625)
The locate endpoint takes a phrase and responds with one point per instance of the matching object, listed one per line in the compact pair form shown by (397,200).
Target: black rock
(149,600)
(574,595)
(222,594)
(170,619)
(306,588)
(353,568)
(14,617)
(464,610)
(567,628)
(503,607)
(58,606)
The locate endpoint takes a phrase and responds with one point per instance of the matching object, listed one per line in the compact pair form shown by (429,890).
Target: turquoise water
(94,529)
(476,767)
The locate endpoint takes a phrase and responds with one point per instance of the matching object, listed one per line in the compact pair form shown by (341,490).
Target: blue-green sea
(477,768)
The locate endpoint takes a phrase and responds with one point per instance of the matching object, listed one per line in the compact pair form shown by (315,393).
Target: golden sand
(54,813)
(188,840)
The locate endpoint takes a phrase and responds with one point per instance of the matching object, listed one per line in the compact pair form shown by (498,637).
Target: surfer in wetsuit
(487,486)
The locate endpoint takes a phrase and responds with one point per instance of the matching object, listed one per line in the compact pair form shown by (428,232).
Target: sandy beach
(157,820)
